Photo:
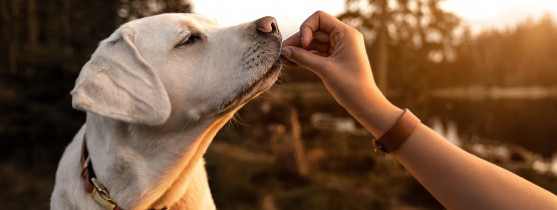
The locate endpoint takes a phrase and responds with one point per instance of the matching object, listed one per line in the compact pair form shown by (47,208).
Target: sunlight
(483,14)
(474,9)
(478,14)
(289,13)
(481,9)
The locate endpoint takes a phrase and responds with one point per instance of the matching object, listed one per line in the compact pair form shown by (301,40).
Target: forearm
(459,180)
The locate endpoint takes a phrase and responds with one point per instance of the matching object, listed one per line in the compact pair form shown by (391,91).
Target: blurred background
(481,73)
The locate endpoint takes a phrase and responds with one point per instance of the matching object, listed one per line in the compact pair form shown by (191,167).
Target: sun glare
(478,14)
(474,9)
(289,13)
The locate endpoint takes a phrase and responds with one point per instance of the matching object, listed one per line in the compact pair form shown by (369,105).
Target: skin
(336,53)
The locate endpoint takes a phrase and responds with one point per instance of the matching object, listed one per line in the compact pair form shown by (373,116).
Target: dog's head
(180,65)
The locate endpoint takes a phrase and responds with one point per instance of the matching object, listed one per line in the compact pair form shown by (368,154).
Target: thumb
(302,57)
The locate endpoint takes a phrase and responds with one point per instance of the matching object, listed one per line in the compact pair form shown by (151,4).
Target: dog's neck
(146,169)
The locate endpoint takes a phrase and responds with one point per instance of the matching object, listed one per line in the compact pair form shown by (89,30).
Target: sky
(499,13)
(289,13)
(477,14)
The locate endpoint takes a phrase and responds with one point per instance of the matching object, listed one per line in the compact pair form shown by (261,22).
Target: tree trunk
(383,48)
(296,129)
(382,58)
(32,23)
(290,158)
(11,28)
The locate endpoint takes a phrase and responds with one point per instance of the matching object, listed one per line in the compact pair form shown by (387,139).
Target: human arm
(336,53)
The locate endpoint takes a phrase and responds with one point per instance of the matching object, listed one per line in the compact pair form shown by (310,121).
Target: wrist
(395,136)
(376,113)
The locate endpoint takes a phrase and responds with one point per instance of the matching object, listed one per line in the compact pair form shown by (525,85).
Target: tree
(522,55)
(416,32)
(134,9)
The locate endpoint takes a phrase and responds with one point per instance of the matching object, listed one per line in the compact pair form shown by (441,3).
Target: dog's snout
(267,25)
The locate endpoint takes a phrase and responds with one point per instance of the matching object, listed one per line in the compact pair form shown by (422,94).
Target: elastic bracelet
(396,135)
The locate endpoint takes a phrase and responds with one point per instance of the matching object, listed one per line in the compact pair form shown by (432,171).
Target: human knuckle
(354,31)
(319,12)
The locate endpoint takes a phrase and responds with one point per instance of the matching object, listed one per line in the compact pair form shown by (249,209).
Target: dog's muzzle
(263,53)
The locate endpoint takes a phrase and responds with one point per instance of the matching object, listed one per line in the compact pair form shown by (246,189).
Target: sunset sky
(478,14)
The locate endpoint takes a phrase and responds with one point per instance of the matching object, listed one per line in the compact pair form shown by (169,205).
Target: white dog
(156,92)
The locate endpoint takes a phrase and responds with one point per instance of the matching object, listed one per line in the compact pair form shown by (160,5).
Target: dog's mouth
(260,63)
(252,90)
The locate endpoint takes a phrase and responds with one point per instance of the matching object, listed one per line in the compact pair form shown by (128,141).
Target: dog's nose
(267,25)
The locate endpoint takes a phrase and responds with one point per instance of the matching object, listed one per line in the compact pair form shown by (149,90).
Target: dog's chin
(250,91)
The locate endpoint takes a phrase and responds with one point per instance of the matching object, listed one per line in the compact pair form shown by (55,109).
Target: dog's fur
(156,92)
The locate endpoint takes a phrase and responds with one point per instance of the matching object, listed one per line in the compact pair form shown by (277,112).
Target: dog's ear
(118,83)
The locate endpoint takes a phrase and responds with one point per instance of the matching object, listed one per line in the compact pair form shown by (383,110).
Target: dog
(155,93)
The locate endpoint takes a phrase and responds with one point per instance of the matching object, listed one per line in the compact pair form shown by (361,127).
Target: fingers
(317,26)
(322,48)
(287,62)
(321,37)
(318,48)
(319,21)
(293,40)
(320,45)
(318,36)
(302,57)
(311,46)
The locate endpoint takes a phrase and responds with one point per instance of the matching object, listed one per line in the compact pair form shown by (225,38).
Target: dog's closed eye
(190,40)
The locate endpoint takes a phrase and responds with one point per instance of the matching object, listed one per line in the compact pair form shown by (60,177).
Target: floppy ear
(118,83)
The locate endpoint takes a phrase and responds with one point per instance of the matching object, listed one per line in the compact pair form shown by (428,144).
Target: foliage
(134,9)
(415,24)
(519,56)
(404,37)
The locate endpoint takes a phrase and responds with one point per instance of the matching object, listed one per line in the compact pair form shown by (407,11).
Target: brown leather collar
(92,185)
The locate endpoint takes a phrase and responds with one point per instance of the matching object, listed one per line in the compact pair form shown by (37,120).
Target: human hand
(336,53)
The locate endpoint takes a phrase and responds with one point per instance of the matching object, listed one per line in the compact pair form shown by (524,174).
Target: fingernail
(286,52)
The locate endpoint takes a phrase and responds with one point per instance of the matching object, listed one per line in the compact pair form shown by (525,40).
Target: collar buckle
(101,195)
